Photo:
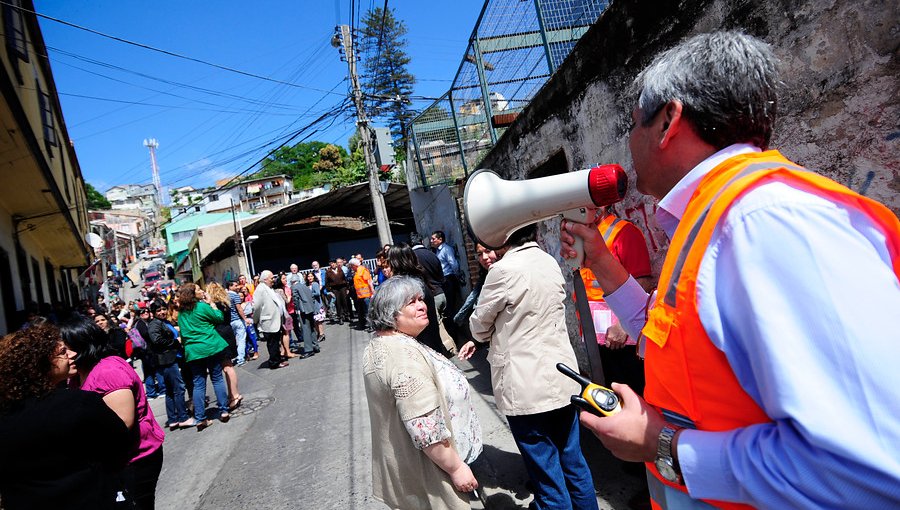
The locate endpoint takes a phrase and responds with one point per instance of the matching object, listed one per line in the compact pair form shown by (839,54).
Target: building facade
(43,213)
(252,194)
(133,196)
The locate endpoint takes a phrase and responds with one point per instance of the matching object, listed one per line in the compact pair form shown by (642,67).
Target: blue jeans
(551,448)
(253,337)
(154,384)
(199,369)
(240,334)
(176,411)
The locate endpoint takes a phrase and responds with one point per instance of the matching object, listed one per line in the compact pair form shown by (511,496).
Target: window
(46,117)
(213,198)
(38,285)
(16,43)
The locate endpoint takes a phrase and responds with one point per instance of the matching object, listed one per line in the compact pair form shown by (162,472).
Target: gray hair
(395,293)
(726,81)
(265,274)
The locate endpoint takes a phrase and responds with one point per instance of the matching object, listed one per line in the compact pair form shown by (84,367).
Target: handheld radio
(593,398)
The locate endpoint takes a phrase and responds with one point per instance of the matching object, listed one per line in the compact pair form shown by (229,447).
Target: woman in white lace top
(424,427)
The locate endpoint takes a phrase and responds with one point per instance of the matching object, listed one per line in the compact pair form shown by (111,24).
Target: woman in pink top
(101,371)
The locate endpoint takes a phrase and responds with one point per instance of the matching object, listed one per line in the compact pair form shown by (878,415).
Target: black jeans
(140,479)
(273,344)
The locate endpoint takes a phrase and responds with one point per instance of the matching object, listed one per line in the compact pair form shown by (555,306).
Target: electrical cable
(100,63)
(158,50)
(270,152)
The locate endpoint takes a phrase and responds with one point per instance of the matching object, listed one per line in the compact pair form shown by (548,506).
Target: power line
(283,130)
(160,50)
(100,63)
(173,107)
(272,151)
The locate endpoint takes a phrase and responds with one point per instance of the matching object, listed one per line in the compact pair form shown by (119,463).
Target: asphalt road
(302,440)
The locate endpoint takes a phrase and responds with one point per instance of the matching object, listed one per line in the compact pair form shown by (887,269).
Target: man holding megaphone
(779,292)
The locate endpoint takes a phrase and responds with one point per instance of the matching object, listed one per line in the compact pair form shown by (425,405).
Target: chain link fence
(515,47)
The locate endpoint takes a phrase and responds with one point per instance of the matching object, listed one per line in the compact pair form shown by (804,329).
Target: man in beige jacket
(521,313)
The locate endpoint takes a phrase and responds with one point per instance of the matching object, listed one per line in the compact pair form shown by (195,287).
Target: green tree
(331,157)
(95,199)
(300,163)
(386,76)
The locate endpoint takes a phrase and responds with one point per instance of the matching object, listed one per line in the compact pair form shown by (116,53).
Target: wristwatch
(665,461)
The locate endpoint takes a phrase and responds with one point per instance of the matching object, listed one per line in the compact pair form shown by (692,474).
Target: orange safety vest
(362,280)
(688,378)
(609,228)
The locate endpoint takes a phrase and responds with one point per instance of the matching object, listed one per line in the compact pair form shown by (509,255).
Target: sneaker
(240,363)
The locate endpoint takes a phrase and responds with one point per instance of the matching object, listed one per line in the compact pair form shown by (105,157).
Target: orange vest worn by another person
(609,228)
(362,281)
(688,378)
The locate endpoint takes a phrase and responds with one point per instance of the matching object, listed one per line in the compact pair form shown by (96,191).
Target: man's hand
(594,247)
(631,434)
(616,337)
(597,257)
(248,321)
(467,350)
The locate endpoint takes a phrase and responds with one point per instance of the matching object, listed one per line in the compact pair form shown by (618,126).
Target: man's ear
(672,122)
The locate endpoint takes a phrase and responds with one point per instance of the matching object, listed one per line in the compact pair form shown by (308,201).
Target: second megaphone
(495,207)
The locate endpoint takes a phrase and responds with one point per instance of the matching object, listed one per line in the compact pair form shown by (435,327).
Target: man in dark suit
(432,268)
(305,306)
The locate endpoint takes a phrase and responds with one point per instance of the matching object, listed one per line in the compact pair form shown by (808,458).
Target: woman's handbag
(137,341)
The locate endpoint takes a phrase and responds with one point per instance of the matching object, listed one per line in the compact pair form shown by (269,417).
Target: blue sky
(219,131)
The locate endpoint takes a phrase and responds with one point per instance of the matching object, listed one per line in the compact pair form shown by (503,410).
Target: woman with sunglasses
(61,448)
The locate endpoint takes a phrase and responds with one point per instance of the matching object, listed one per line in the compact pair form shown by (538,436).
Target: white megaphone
(495,207)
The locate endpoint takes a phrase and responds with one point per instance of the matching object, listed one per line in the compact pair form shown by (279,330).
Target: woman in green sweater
(203,348)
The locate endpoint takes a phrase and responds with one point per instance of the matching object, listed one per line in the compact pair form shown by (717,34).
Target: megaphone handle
(580,215)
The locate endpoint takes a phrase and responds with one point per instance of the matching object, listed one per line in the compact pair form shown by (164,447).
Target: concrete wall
(839,104)
(229,268)
(436,208)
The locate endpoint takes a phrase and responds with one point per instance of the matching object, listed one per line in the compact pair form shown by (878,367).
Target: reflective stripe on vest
(686,374)
(609,229)
(361,281)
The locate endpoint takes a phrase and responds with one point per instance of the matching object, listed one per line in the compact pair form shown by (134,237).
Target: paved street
(302,440)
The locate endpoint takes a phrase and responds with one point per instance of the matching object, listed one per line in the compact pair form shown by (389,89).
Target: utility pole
(345,38)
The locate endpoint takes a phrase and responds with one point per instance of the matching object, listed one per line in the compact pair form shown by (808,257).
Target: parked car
(151,277)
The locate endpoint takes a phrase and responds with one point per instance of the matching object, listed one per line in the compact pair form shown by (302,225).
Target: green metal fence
(515,47)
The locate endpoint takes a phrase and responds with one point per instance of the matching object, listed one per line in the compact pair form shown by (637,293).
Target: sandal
(234,403)
(224,417)
(204,424)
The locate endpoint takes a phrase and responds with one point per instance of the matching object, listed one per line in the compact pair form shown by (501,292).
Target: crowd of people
(183,338)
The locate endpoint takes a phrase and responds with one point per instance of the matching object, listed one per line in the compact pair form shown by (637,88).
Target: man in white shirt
(766,343)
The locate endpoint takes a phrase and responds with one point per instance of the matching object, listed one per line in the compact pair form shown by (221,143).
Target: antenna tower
(152,144)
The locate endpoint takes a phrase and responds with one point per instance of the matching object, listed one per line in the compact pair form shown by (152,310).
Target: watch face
(665,469)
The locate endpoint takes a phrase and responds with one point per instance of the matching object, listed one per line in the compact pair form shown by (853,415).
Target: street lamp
(250,240)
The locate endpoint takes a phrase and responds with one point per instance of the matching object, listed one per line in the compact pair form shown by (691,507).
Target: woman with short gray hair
(424,427)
